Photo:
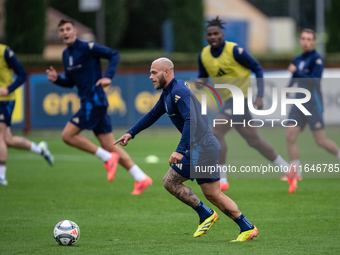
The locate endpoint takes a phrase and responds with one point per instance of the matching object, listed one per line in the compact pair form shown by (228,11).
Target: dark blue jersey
(309,68)
(82,68)
(242,57)
(18,69)
(183,109)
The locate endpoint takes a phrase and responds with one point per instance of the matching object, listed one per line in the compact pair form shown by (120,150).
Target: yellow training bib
(225,66)
(6,74)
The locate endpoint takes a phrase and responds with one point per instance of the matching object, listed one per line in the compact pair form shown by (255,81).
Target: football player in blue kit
(197,147)
(307,71)
(82,68)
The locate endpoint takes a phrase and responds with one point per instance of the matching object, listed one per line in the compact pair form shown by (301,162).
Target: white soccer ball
(66,232)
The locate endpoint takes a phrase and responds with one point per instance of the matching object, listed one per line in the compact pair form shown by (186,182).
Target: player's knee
(167,184)
(66,137)
(9,142)
(107,147)
(212,197)
(212,194)
(217,133)
(290,137)
(321,143)
(254,142)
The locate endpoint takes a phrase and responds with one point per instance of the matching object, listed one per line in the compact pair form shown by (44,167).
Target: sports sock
(3,172)
(243,223)
(137,173)
(223,175)
(297,162)
(283,164)
(203,211)
(338,155)
(35,148)
(103,154)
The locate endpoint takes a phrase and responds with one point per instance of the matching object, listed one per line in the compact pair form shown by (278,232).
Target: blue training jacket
(183,109)
(82,68)
(18,69)
(309,68)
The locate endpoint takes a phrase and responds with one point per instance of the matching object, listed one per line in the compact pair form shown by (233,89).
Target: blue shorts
(6,111)
(198,159)
(315,120)
(227,110)
(92,118)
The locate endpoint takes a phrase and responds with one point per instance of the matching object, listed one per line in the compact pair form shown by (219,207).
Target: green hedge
(141,60)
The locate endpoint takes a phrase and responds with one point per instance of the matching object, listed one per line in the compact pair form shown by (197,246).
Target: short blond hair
(165,62)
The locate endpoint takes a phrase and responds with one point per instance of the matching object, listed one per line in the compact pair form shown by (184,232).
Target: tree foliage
(147,16)
(25,25)
(333,27)
(188,25)
(115,21)
(137,24)
(144,28)
(115,18)
(71,9)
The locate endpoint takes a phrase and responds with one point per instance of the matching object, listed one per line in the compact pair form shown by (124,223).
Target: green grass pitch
(112,221)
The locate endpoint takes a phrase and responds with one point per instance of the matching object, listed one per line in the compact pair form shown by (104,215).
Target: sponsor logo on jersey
(318,61)
(177,98)
(74,67)
(228,111)
(301,65)
(75,120)
(220,73)
(70,61)
(10,53)
(91,44)
(318,125)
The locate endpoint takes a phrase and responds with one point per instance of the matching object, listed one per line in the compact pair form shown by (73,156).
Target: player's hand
(124,139)
(52,74)
(4,92)
(258,103)
(292,68)
(175,158)
(104,82)
(199,83)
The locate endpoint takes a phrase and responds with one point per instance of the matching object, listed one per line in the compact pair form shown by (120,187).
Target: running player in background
(197,147)
(82,68)
(9,64)
(307,71)
(223,59)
